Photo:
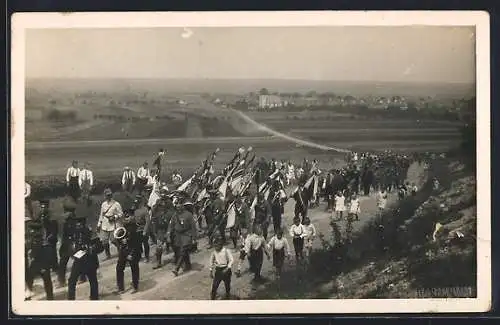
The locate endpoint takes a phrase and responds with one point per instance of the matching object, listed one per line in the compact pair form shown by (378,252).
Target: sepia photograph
(205,163)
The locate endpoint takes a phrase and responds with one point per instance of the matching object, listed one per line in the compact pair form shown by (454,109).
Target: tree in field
(264,91)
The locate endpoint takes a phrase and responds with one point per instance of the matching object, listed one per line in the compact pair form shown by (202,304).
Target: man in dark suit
(85,261)
(184,232)
(39,259)
(51,229)
(263,214)
(301,197)
(129,251)
(67,240)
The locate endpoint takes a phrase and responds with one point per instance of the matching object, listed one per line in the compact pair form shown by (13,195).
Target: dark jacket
(82,238)
(183,229)
(262,212)
(161,215)
(242,219)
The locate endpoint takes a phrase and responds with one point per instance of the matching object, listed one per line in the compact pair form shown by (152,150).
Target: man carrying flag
(301,197)
(213,213)
(158,161)
(277,201)
(262,214)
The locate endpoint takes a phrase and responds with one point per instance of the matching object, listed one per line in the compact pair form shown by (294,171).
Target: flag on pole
(252,209)
(223,189)
(309,182)
(231,216)
(185,185)
(202,195)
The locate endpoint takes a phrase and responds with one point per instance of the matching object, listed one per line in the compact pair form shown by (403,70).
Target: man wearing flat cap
(143,220)
(109,219)
(67,239)
(184,232)
(213,213)
(161,215)
(85,262)
(40,254)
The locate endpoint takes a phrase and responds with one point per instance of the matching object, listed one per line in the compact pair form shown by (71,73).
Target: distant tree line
(55,115)
(123,118)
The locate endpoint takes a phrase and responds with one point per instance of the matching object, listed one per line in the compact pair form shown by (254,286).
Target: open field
(111,145)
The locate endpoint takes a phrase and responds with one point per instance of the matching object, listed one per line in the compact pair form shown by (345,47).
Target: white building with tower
(270,101)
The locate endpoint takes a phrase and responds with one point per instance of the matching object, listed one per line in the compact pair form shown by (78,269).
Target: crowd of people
(236,205)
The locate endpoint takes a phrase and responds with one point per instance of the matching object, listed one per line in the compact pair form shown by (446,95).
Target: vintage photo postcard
(250,163)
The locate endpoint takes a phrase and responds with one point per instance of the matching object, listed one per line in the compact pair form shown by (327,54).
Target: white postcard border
(23,21)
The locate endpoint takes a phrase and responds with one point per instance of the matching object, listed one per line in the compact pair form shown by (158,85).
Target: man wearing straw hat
(109,219)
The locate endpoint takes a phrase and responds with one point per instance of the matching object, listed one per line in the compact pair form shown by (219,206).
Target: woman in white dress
(339,205)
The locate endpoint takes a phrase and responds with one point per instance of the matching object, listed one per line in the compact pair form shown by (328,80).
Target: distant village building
(270,101)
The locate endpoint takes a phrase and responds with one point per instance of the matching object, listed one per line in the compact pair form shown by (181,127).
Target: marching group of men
(243,201)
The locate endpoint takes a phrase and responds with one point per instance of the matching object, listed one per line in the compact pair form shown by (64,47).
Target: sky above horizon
(404,54)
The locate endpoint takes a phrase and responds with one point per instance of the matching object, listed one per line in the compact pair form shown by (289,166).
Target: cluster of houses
(277,101)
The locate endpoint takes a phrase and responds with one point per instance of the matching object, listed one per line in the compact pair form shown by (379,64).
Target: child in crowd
(221,262)
(243,237)
(298,233)
(339,205)
(413,189)
(255,248)
(280,249)
(381,202)
(354,207)
(310,231)
(402,191)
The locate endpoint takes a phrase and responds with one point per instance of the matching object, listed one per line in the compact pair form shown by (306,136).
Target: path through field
(162,285)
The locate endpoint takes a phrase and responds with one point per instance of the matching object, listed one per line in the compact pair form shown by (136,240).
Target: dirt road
(162,285)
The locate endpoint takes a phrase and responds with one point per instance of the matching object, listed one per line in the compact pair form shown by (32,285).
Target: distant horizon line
(249,79)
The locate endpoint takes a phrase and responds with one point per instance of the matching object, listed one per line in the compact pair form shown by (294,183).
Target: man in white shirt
(109,219)
(143,174)
(72,178)
(128,180)
(255,247)
(27,201)
(86,182)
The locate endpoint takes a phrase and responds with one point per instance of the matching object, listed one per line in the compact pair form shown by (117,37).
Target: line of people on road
(172,220)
